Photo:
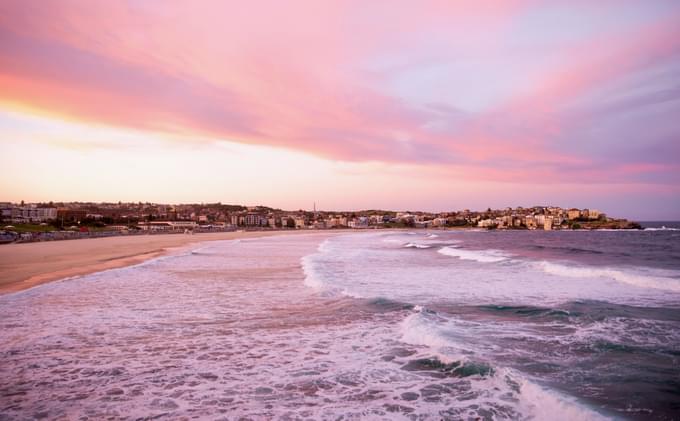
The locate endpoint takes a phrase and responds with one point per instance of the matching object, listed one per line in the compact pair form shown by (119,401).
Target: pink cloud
(292,75)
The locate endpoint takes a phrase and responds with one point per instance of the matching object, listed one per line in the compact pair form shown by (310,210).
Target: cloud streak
(348,81)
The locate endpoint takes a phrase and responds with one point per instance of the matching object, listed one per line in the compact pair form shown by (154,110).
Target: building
(6,213)
(376,219)
(486,223)
(540,220)
(530,222)
(548,223)
(594,214)
(71,215)
(439,222)
(28,214)
(299,222)
(255,220)
(573,213)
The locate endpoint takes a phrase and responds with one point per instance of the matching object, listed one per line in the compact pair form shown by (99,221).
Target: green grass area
(28,227)
(21,228)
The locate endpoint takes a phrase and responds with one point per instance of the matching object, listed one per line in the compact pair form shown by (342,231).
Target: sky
(404,105)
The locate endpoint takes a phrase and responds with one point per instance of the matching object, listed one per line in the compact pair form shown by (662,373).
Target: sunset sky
(438,105)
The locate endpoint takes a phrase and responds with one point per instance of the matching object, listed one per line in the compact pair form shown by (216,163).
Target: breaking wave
(482,256)
(313,278)
(635,279)
(419,328)
(531,400)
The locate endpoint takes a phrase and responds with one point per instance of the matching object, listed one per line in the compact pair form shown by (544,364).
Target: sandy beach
(27,265)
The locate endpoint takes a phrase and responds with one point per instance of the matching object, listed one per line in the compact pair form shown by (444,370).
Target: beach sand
(27,265)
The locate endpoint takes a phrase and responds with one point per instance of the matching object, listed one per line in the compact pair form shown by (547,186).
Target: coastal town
(23,222)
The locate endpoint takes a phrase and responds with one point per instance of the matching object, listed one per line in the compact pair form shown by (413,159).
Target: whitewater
(376,325)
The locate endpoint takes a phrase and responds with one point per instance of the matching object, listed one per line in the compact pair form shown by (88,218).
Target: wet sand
(27,265)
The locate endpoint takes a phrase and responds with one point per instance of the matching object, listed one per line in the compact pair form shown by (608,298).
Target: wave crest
(635,279)
(482,256)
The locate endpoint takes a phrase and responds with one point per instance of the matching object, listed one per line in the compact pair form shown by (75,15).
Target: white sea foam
(482,256)
(662,229)
(369,268)
(631,278)
(313,278)
(623,330)
(545,404)
(420,328)
(533,401)
(417,246)
(321,364)
(432,236)
(319,278)
(417,329)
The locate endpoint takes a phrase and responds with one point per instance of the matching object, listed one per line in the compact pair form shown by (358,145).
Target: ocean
(465,324)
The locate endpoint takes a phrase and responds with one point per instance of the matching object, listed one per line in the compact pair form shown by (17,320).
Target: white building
(540,220)
(27,214)
(439,222)
(299,222)
(548,223)
(255,220)
(485,223)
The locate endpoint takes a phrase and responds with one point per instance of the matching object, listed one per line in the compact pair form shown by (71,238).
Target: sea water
(372,325)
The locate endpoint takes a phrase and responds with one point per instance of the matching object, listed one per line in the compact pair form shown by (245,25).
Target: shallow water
(379,325)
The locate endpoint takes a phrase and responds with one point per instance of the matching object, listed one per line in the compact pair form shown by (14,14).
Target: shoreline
(30,264)
(27,265)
